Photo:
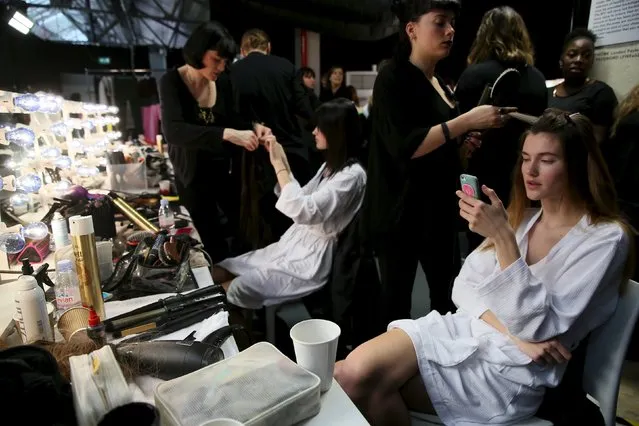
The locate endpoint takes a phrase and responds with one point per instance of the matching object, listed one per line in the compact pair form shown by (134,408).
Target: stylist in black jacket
(204,133)
(413,168)
(502,42)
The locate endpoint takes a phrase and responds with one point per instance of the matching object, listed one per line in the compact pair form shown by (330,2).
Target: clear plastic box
(258,387)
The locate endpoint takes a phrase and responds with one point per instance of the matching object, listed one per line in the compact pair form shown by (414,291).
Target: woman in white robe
(300,262)
(542,280)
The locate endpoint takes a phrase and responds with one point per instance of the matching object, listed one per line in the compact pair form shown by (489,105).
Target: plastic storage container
(257,387)
(123,177)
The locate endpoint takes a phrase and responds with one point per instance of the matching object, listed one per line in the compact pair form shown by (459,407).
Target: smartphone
(470,185)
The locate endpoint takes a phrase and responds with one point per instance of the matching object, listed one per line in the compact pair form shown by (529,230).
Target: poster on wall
(614,21)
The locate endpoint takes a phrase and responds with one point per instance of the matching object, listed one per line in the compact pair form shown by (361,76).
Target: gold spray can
(86,262)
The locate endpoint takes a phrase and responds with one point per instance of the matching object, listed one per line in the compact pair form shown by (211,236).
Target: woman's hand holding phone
(484,219)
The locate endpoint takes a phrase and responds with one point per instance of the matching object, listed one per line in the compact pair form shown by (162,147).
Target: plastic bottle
(31,310)
(165,215)
(67,289)
(60,231)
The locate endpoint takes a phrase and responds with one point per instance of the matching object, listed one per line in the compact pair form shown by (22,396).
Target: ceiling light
(21,22)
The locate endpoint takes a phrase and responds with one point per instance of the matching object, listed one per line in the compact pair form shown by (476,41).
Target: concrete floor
(628,405)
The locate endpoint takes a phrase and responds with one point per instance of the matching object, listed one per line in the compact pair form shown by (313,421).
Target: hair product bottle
(31,311)
(86,262)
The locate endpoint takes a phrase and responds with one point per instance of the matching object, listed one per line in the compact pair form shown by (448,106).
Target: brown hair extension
(63,351)
(256,182)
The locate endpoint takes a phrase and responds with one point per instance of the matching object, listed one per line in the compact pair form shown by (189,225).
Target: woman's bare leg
(415,396)
(375,372)
(221,275)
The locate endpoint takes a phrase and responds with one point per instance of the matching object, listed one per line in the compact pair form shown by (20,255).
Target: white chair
(604,359)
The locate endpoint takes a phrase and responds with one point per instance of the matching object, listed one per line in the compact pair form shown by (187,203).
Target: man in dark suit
(268,91)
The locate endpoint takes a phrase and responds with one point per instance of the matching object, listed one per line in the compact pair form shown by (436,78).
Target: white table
(337,410)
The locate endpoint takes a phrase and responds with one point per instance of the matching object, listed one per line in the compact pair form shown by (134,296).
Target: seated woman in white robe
(300,262)
(548,273)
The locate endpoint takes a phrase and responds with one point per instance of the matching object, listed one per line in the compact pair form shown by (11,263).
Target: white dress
(300,262)
(476,375)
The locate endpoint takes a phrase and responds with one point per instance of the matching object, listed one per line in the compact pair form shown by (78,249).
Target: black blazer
(267,91)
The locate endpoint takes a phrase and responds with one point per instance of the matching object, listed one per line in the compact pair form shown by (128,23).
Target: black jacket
(267,91)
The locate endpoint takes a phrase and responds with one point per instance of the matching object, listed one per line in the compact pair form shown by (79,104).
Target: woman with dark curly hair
(578,92)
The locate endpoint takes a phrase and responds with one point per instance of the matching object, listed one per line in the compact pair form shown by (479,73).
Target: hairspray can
(86,262)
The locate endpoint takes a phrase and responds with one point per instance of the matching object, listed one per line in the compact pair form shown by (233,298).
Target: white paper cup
(315,344)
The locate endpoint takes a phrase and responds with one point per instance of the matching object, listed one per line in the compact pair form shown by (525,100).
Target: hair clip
(569,117)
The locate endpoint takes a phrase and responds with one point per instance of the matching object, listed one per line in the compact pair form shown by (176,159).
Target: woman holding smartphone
(414,163)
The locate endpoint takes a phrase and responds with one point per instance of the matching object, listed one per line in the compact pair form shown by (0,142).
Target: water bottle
(167,220)
(67,289)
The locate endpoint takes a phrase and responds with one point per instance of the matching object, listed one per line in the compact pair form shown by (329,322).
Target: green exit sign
(104,60)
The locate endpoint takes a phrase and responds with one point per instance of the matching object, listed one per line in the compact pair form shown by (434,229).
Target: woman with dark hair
(549,273)
(300,262)
(578,92)
(413,163)
(204,133)
(335,85)
(502,42)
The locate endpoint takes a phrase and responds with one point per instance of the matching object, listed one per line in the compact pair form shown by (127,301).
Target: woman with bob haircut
(204,133)
(300,262)
(550,272)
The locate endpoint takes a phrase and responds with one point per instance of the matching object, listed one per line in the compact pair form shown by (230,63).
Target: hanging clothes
(150,106)
(106,91)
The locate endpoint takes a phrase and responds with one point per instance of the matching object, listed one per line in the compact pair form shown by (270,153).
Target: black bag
(32,388)
(131,278)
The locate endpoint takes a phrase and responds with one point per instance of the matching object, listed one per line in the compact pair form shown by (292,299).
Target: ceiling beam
(133,13)
(105,30)
(125,21)
(159,39)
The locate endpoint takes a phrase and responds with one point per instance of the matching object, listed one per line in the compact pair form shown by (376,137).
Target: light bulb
(12,165)
(113,110)
(29,183)
(12,242)
(62,186)
(87,171)
(50,104)
(22,136)
(111,120)
(88,124)
(19,200)
(35,231)
(114,135)
(63,162)
(59,129)
(74,123)
(51,153)
(27,102)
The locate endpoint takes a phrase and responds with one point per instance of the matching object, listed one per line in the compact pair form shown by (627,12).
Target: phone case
(470,185)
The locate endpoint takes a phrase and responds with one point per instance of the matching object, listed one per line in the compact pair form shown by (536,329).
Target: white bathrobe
(476,375)
(300,262)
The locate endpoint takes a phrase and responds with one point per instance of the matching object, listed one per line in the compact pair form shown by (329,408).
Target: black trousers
(212,189)
(433,242)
